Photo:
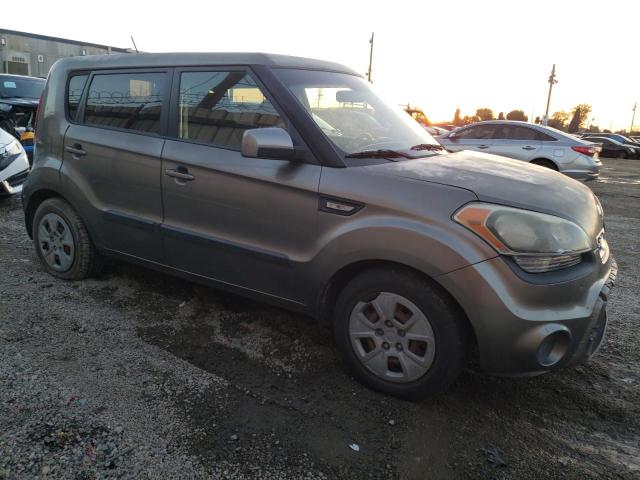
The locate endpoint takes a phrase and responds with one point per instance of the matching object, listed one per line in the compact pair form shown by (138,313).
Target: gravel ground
(140,375)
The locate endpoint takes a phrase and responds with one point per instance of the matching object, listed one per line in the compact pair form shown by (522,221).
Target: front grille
(18,178)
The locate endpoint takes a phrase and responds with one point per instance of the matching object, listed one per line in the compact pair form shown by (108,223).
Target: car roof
(28,77)
(179,59)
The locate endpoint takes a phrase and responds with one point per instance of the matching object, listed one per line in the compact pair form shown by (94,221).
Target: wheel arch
(543,160)
(35,200)
(328,295)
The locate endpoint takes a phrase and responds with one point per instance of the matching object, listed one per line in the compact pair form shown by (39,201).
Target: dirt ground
(141,375)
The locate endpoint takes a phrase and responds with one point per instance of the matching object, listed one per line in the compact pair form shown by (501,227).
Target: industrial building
(24,53)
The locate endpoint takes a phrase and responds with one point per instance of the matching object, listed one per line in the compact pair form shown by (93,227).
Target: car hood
(21,102)
(505,181)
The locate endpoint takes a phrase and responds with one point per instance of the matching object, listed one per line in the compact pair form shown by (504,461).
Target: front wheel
(400,334)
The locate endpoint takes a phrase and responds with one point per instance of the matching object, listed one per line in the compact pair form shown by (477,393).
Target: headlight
(14,148)
(537,242)
(8,152)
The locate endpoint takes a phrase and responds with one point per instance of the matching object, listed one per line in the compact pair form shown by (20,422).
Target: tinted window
(217,107)
(74,93)
(513,132)
(546,138)
(477,132)
(132,101)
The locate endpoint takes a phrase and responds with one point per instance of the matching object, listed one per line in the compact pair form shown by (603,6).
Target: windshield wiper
(378,154)
(428,146)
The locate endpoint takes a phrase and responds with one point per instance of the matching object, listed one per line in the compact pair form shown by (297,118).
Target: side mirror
(269,142)
(453,136)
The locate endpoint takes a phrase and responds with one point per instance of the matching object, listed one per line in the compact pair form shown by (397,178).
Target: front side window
(351,115)
(74,93)
(131,101)
(217,107)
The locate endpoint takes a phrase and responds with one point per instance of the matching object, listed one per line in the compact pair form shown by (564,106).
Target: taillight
(35,120)
(589,151)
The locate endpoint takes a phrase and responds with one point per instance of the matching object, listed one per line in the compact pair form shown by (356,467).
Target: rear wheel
(400,334)
(545,163)
(62,242)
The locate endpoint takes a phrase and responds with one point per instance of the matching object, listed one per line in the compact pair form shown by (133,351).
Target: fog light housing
(553,348)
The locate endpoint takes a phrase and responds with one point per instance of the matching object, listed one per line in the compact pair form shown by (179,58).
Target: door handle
(483,146)
(75,151)
(181,173)
(528,147)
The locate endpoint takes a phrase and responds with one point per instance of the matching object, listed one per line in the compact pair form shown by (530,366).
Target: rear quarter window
(74,94)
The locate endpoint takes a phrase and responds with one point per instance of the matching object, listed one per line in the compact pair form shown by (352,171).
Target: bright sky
(437,55)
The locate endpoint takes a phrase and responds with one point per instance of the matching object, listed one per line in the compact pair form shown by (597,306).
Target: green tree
(517,115)
(584,110)
(501,116)
(485,114)
(559,120)
(574,124)
(457,121)
(470,119)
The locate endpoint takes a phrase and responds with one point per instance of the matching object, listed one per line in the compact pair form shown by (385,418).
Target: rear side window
(74,93)
(131,101)
(546,138)
(477,132)
(217,107)
(511,132)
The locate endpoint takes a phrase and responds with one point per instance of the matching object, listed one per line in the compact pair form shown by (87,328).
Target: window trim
(119,71)
(75,73)
(475,127)
(174,117)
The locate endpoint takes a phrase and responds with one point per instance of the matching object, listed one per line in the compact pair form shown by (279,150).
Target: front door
(112,157)
(475,137)
(246,222)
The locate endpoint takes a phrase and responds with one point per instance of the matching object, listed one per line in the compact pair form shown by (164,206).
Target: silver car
(14,165)
(531,143)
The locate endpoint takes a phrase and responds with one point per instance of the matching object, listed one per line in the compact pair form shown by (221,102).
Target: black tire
(87,262)
(622,154)
(545,163)
(447,322)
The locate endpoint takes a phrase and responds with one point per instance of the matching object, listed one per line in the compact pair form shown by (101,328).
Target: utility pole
(552,80)
(370,57)
(633,118)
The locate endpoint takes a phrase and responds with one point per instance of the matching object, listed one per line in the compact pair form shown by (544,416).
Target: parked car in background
(531,143)
(612,148)
(19,97)
(419,116)
(14,165)
(258,174)
(614,136)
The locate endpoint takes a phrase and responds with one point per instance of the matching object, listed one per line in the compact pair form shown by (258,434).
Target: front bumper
(528,324)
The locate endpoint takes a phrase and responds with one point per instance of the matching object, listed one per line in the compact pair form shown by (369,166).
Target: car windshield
(20,87)
(353,116)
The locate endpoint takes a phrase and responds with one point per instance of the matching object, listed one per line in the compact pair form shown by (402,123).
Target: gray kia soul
(289,180)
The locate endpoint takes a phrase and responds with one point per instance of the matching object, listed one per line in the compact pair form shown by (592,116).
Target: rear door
(112,156)
(246,222)
(475,137)
(516,141)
